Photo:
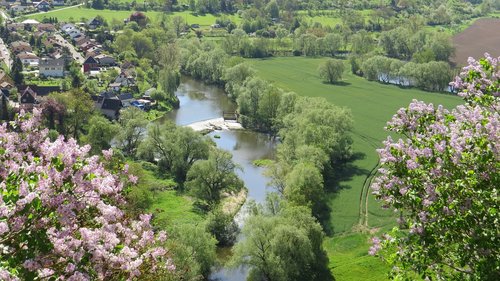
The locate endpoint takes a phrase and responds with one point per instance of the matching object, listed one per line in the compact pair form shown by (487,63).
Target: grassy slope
(173,209)
(372,105)
(168,206)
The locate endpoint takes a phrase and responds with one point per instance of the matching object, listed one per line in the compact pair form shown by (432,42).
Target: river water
(199,102)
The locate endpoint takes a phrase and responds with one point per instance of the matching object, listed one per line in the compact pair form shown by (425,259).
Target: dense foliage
(281,243)
(443,178)
(60,212)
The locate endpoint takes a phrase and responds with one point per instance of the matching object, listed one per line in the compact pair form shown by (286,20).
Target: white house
(28,58)
(51,67)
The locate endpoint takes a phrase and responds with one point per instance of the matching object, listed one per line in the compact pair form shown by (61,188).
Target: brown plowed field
(481,37)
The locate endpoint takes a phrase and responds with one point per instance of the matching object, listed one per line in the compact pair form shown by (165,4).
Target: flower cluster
(443,178)
(60,215)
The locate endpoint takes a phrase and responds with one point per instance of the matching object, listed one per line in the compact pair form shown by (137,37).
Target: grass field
(79,13)
(372,105)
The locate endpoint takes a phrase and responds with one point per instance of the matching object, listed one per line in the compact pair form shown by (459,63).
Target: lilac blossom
(61,216)
(444,177)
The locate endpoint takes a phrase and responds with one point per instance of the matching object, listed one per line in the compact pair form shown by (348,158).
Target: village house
(94,23)
(68,27)
(51,67)
(82,40)
(19,8)
(123,80)
(20,46)
(90,64)
(28,58)
(57,2)
(47,27)
(86,46)
(42,6)
(5,81)
(51,41)
(32,95)
(105,60)
(126,99)
(15,26)
(74,33)
(93,51)
(28,99)
(109,104)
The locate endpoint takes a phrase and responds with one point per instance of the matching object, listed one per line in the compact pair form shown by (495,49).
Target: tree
(52,110)
(273,9)
(65,215)
(178,24)
(314,122)
(79,108)
(98,4)
(223,227)
(176,148)
(132,128)
(442,178)
(17,68)
(76,75)
(169,81)
(304,186)
(100,133)
(361,43)
(193,250)
(282,246)
(332,43)
(331,70)
(208,179)
(235,76)
(4,108)
(142,45)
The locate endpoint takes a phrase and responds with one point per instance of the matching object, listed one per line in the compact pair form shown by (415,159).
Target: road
(76,55)
(5,54)
(4,15)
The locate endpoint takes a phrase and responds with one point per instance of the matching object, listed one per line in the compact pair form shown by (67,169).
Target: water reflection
(199,102)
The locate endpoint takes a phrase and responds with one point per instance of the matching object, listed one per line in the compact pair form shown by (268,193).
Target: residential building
(48,27)
(5,81)
(105,60)
(51,67)
(89,64)
(28,58)
(94,23)
(126,99)
(42,6)
(27,98)
(20,46)
(109,104)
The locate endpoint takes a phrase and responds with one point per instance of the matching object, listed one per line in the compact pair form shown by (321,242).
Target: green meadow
(79,13)
(372,104)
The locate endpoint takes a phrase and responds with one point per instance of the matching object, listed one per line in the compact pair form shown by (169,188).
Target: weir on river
(202,107)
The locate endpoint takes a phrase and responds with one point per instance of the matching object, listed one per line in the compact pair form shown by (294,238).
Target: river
(199,102)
